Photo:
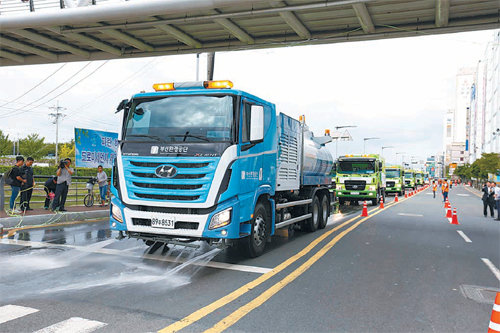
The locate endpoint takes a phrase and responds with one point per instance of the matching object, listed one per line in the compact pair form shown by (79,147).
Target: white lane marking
(11,312)
(73,325)
(408,214)
(429,193)
(463,195)
(492,267)
(464,236)
(123,253)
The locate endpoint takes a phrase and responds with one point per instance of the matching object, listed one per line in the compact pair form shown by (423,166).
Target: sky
(396,89)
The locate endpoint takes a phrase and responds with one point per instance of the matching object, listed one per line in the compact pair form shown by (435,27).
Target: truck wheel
(253,245)
(377,200)
(325,212)
(312,224)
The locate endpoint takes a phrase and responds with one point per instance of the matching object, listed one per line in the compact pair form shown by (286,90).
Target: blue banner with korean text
(94,148)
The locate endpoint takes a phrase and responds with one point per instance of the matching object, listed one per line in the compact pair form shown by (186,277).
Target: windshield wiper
(154,137)
(187,135)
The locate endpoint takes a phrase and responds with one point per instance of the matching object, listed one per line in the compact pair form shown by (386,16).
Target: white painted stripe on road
(408,214)
(463,195)
(492,267)
(11,312)
(464,236)
(123,253)
(494,326)
(73,325)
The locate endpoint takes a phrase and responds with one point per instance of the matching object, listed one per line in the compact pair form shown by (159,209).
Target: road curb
(52,219)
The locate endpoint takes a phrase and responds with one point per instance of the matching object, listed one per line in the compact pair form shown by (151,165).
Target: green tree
(489,163)
(33,145)
(67,150)
(5,144)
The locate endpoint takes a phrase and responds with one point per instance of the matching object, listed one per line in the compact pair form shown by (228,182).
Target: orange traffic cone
(454,219)
(495,316)
(396,198)
(448,213)
(365,209)
(406,195)
(381,203)
(447,204)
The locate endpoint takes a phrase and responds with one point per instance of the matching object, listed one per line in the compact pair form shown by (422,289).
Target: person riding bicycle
(102,180)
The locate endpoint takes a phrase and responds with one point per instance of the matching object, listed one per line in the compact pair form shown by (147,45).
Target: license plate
(160,222)
(354,193)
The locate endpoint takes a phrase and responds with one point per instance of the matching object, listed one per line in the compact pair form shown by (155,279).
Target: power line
(81,69)
(35,86)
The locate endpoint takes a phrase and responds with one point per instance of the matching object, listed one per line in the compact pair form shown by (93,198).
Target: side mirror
(380,165)
(256,123)
(122,105)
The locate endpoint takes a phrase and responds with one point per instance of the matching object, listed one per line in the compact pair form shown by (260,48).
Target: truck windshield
(181,119)
(408,175)
(419,176)
(392,173)
(356,167)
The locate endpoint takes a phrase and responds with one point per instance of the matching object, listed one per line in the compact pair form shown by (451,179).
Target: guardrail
(76,192)
(19,6)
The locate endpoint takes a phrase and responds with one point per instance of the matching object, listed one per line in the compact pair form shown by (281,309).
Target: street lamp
(364,143)
(337,141)
(385,147)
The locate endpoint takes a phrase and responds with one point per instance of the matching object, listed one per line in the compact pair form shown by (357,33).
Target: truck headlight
(220,219)
(372,188)
(116,213)
(338,187)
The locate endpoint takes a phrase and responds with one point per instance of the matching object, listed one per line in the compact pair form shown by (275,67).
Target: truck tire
(325,212)
(312,224)
(253,246)
(376,200)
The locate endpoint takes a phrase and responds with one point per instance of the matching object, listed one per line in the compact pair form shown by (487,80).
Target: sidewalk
(41,216)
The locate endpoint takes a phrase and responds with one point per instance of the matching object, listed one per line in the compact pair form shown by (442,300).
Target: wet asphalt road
(404,269)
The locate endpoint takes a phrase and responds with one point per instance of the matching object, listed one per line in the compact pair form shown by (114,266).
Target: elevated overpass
(48,31)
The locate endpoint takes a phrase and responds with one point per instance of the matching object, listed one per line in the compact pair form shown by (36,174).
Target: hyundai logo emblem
(355,186)
(166,171)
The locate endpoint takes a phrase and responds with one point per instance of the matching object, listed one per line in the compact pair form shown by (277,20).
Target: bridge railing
(21,6)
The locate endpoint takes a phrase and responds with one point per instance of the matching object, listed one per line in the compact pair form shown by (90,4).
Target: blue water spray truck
(200,161)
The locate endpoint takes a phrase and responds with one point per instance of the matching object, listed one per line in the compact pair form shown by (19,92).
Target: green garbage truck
(395,182)
(360,177)
(410,181)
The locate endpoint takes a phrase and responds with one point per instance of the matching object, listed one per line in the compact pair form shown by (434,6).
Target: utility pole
(56,115)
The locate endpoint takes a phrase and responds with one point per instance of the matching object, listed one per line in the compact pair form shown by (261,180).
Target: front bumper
(356,194)
(192,226)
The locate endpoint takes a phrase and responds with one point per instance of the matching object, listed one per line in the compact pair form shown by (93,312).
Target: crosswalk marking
(73,325)
(11,312)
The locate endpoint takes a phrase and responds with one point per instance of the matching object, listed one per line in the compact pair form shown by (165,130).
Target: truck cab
(200,161)
(410,180)
(395,180)
(419,178)
(360,177)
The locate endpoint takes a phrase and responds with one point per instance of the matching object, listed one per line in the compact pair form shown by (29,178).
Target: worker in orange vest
(434,188)
(445,189)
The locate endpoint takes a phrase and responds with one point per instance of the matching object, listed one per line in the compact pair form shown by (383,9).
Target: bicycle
(88,200)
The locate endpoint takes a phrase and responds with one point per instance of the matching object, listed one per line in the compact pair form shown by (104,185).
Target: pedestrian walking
(497,200)
(50,189)
(445,189)
(434,188)
(64,173)
(102,180)
(15,181)
(488,199)
(27,188)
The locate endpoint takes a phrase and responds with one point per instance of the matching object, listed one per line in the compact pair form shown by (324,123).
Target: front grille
(355,185)
(167,197)
(407,182)
(177,165)
(177,225)
(168,186)
(391,184)
(178,176)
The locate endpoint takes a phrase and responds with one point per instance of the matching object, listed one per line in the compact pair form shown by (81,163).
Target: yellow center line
(476,194)
(203,312)
(258,301)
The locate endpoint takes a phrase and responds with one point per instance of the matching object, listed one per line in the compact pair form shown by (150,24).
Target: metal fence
(76,192)
(19,6)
